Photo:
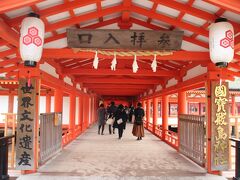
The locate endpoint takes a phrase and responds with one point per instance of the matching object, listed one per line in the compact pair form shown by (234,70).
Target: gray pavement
(92,156)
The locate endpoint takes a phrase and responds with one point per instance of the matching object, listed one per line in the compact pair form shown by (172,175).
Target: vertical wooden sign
(219,126)
(25,124)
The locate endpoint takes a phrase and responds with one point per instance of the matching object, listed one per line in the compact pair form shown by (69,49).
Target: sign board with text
(125,39)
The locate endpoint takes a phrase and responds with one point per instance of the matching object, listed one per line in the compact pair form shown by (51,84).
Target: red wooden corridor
(68,83)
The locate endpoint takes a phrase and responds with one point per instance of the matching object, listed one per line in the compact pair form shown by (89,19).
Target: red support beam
(169,20)
(123,72)
(155,113)
(154,27)
(119,80)
(8,34)
(84,17)
(148,113)
(176,56)
(115,86)
(164,116)
(48,103)
(6,5)
(72,114)
(230,5)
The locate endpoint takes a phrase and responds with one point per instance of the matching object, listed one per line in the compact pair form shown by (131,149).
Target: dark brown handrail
(4,142)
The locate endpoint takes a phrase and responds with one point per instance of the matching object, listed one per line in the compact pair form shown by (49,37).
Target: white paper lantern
(221,42)
(31,39)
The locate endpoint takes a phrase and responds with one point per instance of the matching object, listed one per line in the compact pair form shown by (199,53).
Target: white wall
(52,103)
(3,106)
(42,105)
(66,108)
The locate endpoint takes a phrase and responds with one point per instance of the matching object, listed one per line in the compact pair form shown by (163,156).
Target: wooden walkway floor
(93,156)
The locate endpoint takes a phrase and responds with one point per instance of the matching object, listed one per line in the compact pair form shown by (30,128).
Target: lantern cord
(29,80)
(220,77)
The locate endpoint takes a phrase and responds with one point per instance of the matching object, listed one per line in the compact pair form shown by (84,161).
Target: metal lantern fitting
(221,42)
(31,39)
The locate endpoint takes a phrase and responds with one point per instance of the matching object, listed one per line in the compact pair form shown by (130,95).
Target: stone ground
(92,156)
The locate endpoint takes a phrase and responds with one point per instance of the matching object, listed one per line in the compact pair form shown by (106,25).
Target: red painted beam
(115,86)
(230,5)
(84,17)
(118,80)
(8,34)
(154,27)
(176,56)
(54,10)
(169,20)
(123,72)
(7,5)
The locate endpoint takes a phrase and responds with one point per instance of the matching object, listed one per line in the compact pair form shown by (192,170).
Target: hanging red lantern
(31,39)
(221,42)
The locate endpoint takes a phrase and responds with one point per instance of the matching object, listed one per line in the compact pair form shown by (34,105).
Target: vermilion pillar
(148,113)
(80,111)
(10,102)
(164,116)
(72,114)
(58,100)
(155,113)
(48,103)
(182,108)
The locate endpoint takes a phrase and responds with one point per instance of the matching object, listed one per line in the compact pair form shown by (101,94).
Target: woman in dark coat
(101,112)
(120,114)
(138,129)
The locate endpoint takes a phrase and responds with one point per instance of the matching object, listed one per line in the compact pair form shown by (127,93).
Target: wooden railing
(50,135)
(171,137)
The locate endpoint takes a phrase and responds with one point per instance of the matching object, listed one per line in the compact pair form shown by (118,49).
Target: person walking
(120,120)
(101,112)
(111,111)
(138,129)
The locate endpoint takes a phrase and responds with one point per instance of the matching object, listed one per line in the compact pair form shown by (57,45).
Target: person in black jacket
(138,129)
(111,111)
(120,120)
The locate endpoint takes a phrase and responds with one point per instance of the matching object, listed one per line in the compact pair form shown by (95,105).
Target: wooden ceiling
(191,16)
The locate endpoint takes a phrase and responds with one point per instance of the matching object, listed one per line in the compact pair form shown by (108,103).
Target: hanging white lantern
(31,39)
(221,42)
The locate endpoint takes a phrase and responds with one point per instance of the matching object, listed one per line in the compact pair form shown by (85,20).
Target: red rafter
(231,5)
(154,27)
(6,5)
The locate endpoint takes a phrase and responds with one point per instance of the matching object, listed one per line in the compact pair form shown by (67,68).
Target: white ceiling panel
(167,11)
(111,26)
(161,24)
(182,1)
(186,32)
(60,43)
(48,3)
(85,9)
(58,17)
(4,48)
(47,35)
(110,3)
(12,56)
(193,20)
(232,16)
(192,47)
(202,5)
(143,3)
(139,16)
(89,22)
(138,27)
(19,12)
(111,16)
(202,38)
